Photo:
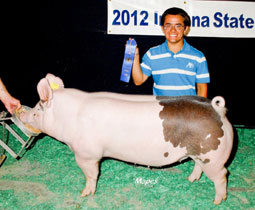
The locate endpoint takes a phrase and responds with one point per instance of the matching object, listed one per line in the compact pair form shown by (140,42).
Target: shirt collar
(184,47)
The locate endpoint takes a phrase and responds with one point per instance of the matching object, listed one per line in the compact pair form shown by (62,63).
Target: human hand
(136,49)
(11,103)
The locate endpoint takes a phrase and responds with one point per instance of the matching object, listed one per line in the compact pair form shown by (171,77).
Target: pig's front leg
(91,169)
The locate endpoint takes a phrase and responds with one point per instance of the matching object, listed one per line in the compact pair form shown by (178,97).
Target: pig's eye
(34,114)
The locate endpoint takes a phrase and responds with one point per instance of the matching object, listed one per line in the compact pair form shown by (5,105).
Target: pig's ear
(56,82)
(44,91)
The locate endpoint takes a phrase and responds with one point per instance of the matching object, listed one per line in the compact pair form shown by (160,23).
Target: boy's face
(174,28)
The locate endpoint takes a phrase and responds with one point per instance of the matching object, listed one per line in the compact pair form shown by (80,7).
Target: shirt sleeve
(146,64)
(202,74)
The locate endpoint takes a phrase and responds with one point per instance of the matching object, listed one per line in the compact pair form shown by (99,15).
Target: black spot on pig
(191,122)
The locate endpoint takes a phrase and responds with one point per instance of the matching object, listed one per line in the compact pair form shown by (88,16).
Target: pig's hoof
(193,177)
(218,201)
(85,192)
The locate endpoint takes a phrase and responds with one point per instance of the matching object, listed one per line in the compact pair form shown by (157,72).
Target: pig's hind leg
(91,169)
(217,173)
(196,174)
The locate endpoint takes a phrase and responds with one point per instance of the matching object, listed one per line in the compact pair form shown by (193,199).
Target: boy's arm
(202,89)
(138,76)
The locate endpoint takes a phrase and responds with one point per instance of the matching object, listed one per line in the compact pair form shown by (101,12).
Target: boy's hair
(176,11)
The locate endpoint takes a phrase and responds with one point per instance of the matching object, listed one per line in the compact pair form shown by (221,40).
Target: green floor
(47,177)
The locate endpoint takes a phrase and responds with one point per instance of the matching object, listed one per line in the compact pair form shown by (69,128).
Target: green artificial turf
(47,177)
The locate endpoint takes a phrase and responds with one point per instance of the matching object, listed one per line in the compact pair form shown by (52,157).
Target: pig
(145,130)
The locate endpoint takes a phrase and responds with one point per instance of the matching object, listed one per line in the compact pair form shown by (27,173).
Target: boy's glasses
(177,27)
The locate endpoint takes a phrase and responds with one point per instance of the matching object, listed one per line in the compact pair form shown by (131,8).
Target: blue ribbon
(128,60)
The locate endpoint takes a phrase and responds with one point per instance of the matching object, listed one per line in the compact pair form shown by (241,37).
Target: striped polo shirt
(175,74)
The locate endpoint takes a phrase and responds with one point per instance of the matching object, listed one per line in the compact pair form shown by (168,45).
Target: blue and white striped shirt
(175,74)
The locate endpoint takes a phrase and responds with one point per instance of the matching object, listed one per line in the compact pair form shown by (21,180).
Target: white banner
(208,18)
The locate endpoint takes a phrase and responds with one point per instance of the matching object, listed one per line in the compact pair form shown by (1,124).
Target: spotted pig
(146,130)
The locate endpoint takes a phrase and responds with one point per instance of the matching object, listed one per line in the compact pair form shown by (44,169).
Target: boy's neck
(175,47)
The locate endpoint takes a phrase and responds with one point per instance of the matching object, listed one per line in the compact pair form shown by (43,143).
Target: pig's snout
(23,117)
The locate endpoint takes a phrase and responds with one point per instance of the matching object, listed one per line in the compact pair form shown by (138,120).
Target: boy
(176,67)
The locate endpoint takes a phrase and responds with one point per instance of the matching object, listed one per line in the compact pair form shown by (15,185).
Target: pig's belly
(145,148)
